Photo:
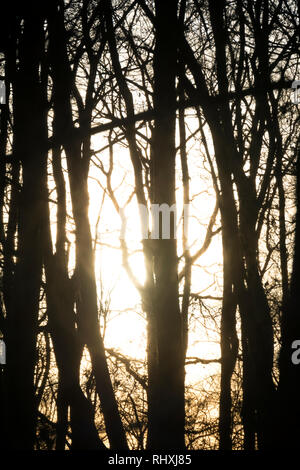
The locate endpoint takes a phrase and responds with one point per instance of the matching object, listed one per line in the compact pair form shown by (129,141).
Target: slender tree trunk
(185,223)
(229,348)
(234,292)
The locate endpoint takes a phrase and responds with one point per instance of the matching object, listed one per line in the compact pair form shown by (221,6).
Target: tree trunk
(229,348)
(87,309)
(30,127)
(66,343)
(166,400)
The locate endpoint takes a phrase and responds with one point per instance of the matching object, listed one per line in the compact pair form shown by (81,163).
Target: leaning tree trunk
(68,351)
(87,308)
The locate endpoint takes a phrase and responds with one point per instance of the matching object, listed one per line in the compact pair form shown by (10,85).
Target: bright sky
(126,326)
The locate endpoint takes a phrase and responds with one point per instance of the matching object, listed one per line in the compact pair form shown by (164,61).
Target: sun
(125,326)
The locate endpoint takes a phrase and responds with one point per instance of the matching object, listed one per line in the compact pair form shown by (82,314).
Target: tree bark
(166,403)
(30,138)
(229,348)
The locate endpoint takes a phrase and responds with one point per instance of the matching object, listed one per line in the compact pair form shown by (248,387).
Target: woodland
(116,332)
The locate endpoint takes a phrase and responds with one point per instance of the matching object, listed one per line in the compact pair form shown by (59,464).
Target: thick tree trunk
(289,382)
(166,399)
(30,127)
